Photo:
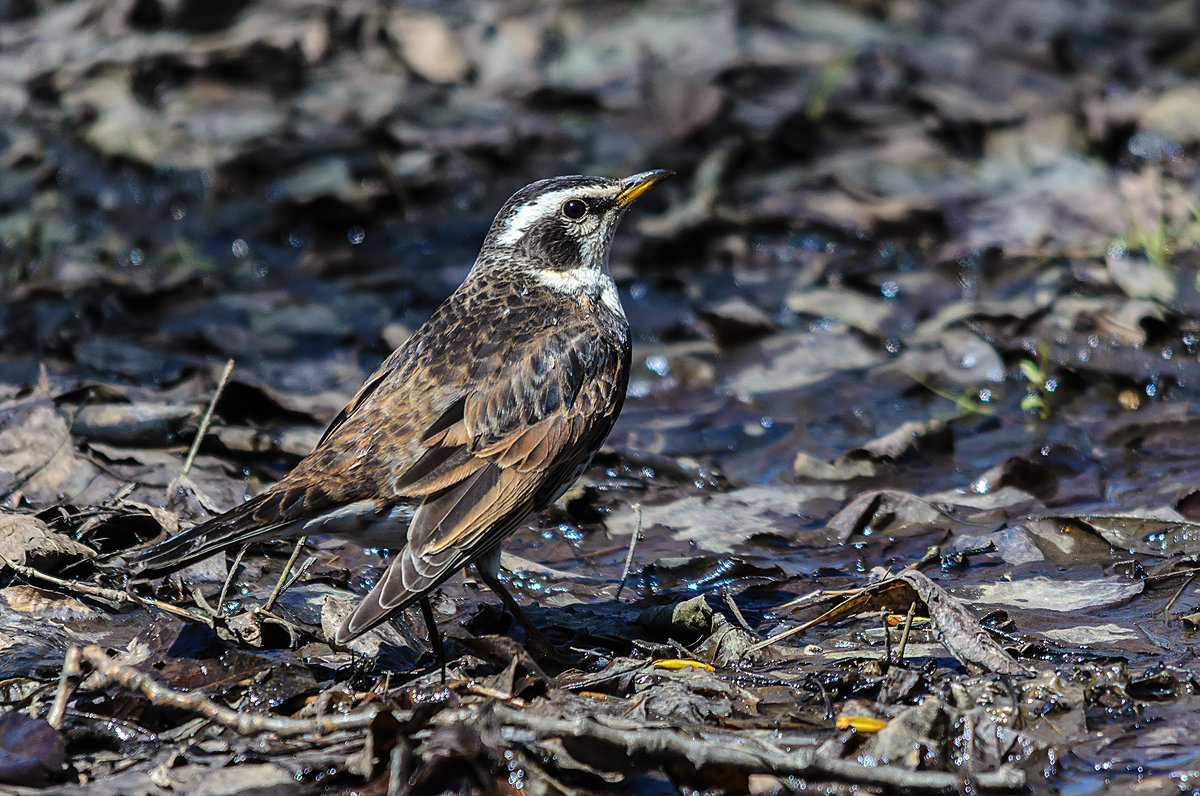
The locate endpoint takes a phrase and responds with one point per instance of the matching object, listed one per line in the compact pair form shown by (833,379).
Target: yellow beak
(638,184)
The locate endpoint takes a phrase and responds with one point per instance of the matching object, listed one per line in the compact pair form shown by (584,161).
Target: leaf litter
(903,497)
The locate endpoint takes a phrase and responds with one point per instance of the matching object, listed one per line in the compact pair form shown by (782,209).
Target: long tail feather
(236,527)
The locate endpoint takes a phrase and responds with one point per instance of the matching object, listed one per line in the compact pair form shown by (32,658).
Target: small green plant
(1154,243)
(827,82)
(1039,391)
(1159,240)
(966,403)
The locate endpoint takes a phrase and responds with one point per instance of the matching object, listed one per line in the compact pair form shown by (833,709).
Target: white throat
(592,282)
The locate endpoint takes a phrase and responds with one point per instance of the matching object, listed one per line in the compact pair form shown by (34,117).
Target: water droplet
(240,248)
(659,364)
(356,235)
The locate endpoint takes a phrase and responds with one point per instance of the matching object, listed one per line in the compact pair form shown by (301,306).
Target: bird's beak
(638,184)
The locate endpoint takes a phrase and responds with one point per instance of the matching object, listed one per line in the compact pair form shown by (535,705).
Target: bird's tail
(235,527)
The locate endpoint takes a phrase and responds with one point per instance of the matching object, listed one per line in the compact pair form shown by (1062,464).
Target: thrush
(488,412)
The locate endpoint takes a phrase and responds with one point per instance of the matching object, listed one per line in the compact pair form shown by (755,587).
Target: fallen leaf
(1059,594)
(25,539)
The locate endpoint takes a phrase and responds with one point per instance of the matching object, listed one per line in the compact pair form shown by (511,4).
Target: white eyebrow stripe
(528,214)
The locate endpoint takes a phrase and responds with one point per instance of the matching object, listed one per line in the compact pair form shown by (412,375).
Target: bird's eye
(575,209)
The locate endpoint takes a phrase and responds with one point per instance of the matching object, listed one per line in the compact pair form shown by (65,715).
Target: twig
(737,613)
(66,686)
(299,573)
(208,413)
(908,620)
(119,494)
(184,613)
(397,769)
(785,634)
(494,693)
(816,598)
(828,702)
(242,723)
(200,600)
(637,531)
(1177,573)
(718,749)
(932,554)
(112,596)
(603,551)
(283,576)
(1171,603)
(887,639)
(237,562)
(803,627)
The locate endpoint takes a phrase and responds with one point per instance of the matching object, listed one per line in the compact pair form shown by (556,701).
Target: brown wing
(497,454)
(334,489)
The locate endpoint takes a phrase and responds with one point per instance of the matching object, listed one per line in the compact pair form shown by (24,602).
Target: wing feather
(506,453)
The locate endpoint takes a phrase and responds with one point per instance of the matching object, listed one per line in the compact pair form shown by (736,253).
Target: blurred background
(886,212)
(872,197)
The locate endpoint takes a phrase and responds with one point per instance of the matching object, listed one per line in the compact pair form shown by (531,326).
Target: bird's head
(561,228)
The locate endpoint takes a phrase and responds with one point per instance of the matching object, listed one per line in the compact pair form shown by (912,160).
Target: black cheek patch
(548,242)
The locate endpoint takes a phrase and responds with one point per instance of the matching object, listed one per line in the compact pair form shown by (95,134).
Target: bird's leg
(491,579)
(435,638)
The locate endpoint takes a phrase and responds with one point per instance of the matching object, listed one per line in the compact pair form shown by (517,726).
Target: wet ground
(917,330)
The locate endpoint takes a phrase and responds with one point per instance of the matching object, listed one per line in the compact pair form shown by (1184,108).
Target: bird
(486,414)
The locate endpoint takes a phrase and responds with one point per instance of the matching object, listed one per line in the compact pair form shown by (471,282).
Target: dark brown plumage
(488,412)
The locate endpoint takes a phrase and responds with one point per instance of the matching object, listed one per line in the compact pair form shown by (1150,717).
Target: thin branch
(785,634)
(237,562)
(887,639)
(283,576)
(1175,597)
(908,620)
(111,596)
(66,687)
(183,613)
(737,612)
(722,749)
(208,413)
(242,723)
(637,531)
